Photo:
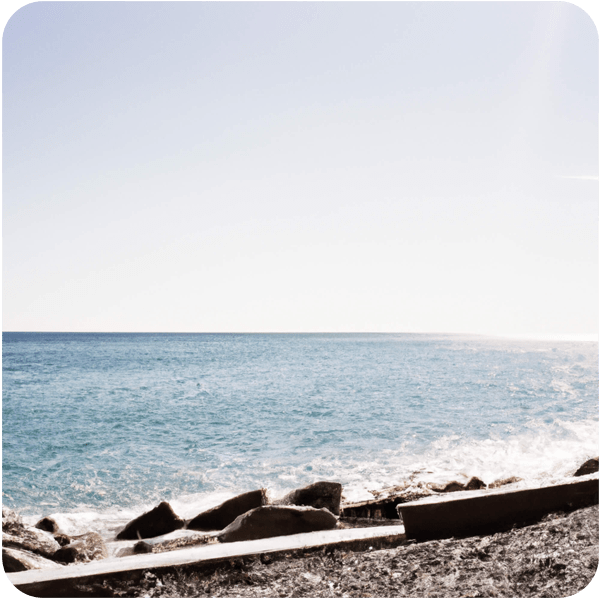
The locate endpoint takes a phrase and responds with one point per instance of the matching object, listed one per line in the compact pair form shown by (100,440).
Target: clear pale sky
(406,167)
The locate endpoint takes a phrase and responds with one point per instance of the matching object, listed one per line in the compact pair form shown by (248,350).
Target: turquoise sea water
(102,423)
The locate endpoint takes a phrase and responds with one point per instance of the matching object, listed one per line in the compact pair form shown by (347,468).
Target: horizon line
(591,337)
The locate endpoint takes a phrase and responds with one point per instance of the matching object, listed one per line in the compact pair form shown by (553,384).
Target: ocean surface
(97,428)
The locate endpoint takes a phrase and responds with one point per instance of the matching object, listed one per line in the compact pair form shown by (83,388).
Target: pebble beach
(556,557)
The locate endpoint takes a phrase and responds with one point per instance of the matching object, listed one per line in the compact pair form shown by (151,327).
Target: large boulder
(322,494)
(14,560)
(220,516)
(83,548)
(158,521)
(31,539)
(273,521)
(589,466)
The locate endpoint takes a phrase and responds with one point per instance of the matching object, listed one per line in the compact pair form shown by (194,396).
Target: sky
(280,167)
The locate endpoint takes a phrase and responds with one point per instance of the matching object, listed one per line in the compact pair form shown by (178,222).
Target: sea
(100,427)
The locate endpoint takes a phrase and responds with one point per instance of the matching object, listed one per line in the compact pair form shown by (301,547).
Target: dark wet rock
(500,482)
(47,524)
(62,538)
(142,548)
(322,494)
(33,540)
(452,486)
(273,521)
(14,560)
(83,548)
(455,486)
(589,466)
(66,555)
(219,517)
(475,484)
(158,521)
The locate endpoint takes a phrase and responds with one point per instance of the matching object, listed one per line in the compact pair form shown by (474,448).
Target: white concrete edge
(501,491)
(185,556)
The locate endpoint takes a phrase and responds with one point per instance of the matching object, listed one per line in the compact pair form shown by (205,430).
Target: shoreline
(107,521)
(566,521)
(556,557)
(418,486)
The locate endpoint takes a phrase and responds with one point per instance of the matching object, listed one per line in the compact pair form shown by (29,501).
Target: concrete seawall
(488,511)
(63,581)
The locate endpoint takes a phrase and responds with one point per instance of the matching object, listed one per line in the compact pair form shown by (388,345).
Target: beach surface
(556,557)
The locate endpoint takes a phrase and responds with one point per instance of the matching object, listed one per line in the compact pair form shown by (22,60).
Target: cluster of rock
(248,516)
(588,467)
(384,506)
(44,545)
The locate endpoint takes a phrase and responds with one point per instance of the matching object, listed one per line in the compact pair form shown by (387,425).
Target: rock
(15,560)
(158,521)
(475,484)
(415,492)
(273,521)
(452,486)
(62,538)
(219,517)
(322,494)
(384,506)
(589,466)
(455,486)
(83,548)
(66,555)
(500,482)
(33,540)
(142,548)
(11,521)
(47,524)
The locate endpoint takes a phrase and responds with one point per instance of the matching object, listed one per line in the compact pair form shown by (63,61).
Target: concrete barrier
(64,581)
(482,512)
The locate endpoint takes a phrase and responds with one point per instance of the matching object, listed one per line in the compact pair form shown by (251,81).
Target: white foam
(542,454)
